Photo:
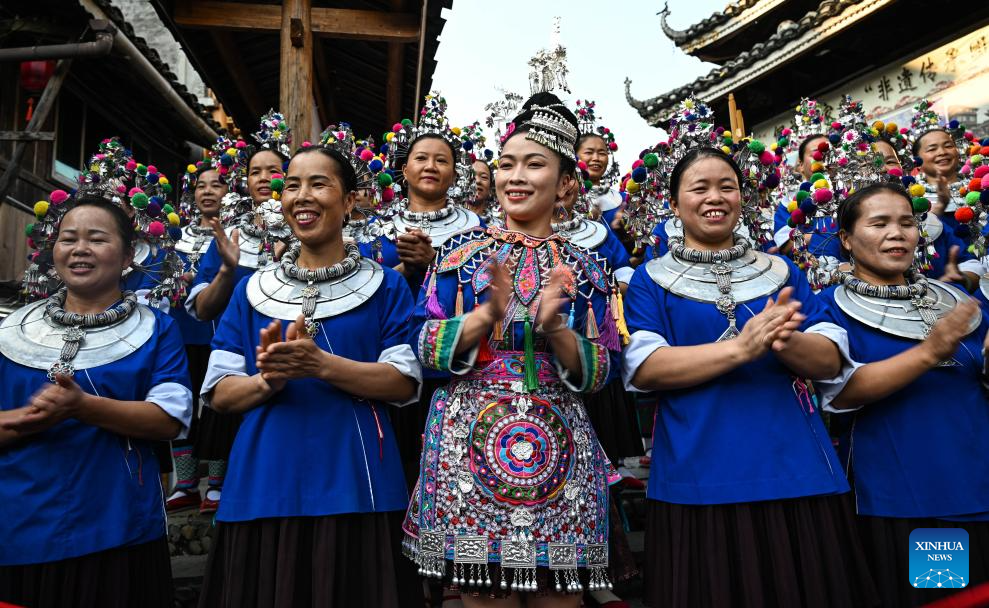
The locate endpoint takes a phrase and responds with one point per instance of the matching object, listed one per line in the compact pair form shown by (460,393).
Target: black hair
(449,144)
(122,222)
(253,151)
(806,142)
(692,157)
(850,209)
(345,171)
(915,149)
(568,163)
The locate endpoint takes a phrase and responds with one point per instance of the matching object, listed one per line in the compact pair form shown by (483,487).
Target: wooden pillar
(396,61)
(45,105)
(295,83)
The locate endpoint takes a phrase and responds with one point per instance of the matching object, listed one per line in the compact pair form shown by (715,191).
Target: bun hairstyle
(547,121)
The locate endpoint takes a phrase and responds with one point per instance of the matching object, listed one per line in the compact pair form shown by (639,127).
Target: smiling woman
(87,372)
(293,353)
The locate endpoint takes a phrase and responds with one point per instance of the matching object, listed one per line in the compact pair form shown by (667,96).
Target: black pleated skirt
(409,424)
(887,540)
(123,577)
(615,421)
(782,553)
(297,562)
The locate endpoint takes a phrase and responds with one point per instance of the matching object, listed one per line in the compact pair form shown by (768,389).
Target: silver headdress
(274,134)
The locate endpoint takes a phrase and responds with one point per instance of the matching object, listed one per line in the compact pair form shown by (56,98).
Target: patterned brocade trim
(438,341)
(595,364)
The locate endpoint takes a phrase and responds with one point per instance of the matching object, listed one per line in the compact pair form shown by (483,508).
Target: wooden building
(888,53)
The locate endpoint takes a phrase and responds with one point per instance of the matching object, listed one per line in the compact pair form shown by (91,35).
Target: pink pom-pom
(306,144)
(395,128)
(637,164)
(787,131)
(366,155)
(981,171)
(843,161)
(134,191)
(966,170)
(57,197)
(817,155)
(836,125)
(30,243)
(822,196)
(241,144)
(985,182)
(612,146)
(156,229)
(387,195)
(767,157)
(121,189)
(798,217)
(895,171)
(152,169)
(131,165)
(582,165)
(222,169)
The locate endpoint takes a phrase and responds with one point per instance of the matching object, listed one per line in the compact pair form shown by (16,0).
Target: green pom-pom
(142,170)
(28,230)
(406,122)
(277,184)
(166,188)
(756,146)
(921,204)
(139,200)
(816,176)
(802,195)
(384,180)
(972,198)
(650,160)
(167,209)
(588,184)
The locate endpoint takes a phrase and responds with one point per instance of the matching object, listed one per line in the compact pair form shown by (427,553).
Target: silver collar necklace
(78,323)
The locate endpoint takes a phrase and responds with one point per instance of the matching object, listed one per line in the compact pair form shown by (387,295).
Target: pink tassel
(433,307)
(609,332)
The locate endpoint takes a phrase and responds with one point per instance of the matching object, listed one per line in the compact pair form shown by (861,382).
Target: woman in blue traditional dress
(748,505)
(918,437)
(90,379)
(512,497)
(314,472)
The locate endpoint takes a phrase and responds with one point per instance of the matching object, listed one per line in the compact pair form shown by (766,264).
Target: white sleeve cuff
(829,389)
(222,363)
(642,345)
(782,236)
(402,358)
(190,300)
(464,362)
(176,401)
(624,274)
(162,304)
(974,266)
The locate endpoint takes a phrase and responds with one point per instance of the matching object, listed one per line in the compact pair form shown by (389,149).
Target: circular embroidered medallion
(521,458)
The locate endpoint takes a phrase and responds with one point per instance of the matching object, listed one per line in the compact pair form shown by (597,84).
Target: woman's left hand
(951,272)
(49,406)
(554,295)
(297,357)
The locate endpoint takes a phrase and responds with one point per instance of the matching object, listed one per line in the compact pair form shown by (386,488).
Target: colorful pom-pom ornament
(156,229)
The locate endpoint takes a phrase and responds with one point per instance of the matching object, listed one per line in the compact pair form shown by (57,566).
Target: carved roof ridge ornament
(707,30)
(677,36)
(657,109)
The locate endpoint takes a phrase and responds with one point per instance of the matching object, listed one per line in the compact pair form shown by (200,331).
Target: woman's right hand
(948,332)
(269,335)
(771,327)
(229,248)
(499,290)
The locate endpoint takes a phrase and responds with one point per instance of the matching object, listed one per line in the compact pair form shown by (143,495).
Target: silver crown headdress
(274,134)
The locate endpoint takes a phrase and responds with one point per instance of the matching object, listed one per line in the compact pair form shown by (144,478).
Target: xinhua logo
(939,558)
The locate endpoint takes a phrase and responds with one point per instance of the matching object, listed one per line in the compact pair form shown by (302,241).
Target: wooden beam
(45,104)
(242,79)
(323,81)
(295,82)
(27,135)
(396,60)
(331,22)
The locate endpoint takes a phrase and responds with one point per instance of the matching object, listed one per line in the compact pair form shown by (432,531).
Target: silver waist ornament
(440,225)
(722,278)
(285,291)
(582,232)
(908,311)
(43,336)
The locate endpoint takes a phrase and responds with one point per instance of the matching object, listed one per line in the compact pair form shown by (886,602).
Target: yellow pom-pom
(389,137)
(917,190)
(821,183)
(231,151)
(891,128)
(94,168)
(162,180)
(817,167)
(276,195)
(791,206)
(726,149)
(190,169)
(456,130)
(878,125)
(41,208)
(631,187)
(173,219)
